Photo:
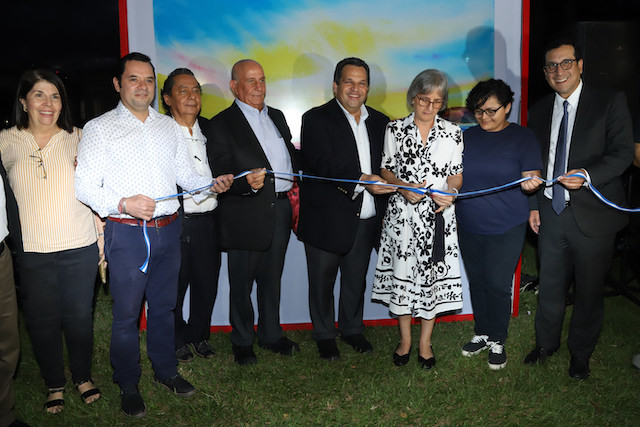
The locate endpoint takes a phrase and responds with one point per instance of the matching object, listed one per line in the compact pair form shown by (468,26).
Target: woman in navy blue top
(492,227)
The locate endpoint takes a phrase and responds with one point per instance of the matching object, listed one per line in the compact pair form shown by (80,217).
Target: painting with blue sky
(299,43)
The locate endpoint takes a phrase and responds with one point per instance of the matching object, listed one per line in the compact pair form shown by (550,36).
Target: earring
(24,108)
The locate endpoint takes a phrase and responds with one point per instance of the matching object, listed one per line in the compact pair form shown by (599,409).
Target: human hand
(443,201)
(222,183)
(412,196)
(532,184)
(139,206)
(534,221)
(572,182)
(256,178)
(376,189)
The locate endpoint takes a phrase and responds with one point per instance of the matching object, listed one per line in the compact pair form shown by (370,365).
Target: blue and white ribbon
(419,190)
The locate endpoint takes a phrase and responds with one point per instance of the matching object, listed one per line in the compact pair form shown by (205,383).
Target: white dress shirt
(272,143)
(197,146)
(556,119)
(368,209)
(121,156)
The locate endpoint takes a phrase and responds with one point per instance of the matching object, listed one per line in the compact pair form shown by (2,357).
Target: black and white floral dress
(407,277)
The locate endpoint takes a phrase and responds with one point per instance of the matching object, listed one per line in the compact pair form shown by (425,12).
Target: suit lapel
(344,129)
(244,134)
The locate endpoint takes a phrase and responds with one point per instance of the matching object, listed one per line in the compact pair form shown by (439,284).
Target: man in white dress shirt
(127,158)
(199,243)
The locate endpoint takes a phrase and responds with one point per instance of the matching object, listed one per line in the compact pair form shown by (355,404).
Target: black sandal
(88,393)
(54,402)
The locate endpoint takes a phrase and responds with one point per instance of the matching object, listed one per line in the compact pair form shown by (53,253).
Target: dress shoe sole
(183,394)
(137,415)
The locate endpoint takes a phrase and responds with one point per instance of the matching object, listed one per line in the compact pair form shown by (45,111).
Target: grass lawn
(368,389)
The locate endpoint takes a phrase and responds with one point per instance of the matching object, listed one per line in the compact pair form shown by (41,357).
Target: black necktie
(559,166)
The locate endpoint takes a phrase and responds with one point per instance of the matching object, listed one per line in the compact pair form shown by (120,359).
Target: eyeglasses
(566,64)
(488,111)
(37,157)
(425,102)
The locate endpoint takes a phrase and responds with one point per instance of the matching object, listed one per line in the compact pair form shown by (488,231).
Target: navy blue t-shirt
(492,159)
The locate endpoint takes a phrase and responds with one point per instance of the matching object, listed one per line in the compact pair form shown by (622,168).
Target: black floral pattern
(406,278)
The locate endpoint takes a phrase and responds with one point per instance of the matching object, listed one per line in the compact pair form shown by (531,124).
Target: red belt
(153,222)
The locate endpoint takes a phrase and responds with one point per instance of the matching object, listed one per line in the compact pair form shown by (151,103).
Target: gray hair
(429,81)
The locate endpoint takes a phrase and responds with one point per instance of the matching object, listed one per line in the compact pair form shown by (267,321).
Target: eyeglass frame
(562,64)
(425,102)
(38,158)
(490,112)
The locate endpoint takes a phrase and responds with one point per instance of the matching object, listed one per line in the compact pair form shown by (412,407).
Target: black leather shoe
(359,343)
(538,355)
(131,402)
(176,384)
(203,349)
(244,355)
(328,349)
(183,354)
(579,369)
(283,346)
(400,360)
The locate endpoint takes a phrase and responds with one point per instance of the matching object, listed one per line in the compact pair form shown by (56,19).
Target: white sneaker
(475,346)
(497,355)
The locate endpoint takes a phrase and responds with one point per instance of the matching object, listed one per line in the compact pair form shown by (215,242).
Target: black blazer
(246,218)
(328,213)
(601,143)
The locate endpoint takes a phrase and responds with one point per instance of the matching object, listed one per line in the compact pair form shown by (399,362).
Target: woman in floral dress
(418,270)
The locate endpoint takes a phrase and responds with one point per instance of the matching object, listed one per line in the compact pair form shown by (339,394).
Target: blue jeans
(126,251)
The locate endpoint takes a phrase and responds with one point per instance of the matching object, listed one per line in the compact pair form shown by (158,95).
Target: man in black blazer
(255,217)
(576,230)
(340,222)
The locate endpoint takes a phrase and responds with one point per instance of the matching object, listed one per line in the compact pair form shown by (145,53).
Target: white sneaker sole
(473,353)
(496,367)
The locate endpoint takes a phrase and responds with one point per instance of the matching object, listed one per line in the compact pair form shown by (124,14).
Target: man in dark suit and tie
(582,130)
(255,218)
(340,222)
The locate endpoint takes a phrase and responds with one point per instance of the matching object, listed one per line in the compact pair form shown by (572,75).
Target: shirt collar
(572,99)
(248,109)
(364,113)
(125,112)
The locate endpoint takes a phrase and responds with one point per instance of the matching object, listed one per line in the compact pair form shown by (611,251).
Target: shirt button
(273,205)
(273,179)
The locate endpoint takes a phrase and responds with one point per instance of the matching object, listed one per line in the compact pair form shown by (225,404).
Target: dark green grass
(369,390)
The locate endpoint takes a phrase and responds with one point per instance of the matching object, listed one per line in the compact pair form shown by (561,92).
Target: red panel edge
(516,289)
(368,323)
(124,29)
(524,71)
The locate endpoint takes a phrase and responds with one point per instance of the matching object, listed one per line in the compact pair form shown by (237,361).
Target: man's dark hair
(168,84)
(337,75)
(561,41)
(484,90)
(27,82)
(133,56)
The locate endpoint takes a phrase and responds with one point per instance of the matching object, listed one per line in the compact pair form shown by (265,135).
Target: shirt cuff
(356,192)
